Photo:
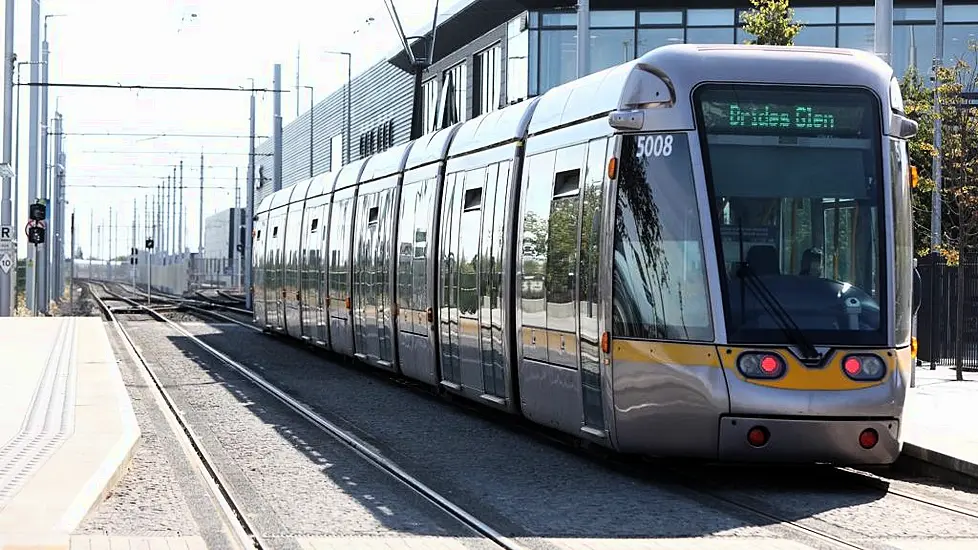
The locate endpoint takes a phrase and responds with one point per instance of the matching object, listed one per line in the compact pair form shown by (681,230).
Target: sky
(218,43)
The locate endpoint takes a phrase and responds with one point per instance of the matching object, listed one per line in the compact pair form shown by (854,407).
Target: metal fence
(937,329)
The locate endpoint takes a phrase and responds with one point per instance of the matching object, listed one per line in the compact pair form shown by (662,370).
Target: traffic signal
(133,256)
(35,234)
(37,211)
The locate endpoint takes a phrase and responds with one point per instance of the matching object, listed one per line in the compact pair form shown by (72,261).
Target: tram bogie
(703,253)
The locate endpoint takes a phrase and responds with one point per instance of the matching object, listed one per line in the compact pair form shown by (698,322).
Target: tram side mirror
(902,127)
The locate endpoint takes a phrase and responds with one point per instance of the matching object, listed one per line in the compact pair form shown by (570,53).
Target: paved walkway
(941,419)
(66,427)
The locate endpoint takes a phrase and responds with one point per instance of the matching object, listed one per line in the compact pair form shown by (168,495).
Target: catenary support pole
(71,277)
(250,206)
(200,215)
(936,234)
(44,249)
(883,35)
(7,279)
(33,126)
(236,232)
(174,229)
(583,38)
(108,255)
(181,230)
(55,285)
(277,127)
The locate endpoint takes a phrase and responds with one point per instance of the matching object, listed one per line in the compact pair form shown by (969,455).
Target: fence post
(933,312)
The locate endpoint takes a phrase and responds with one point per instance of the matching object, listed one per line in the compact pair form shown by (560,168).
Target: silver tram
(705,252)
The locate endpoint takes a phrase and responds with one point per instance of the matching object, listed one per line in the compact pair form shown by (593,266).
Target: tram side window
(590,241)
(902,241)
(562,240)
(534,285)
(535,221)
(659,278)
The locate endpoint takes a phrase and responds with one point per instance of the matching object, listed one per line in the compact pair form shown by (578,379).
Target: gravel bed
(291,479)
(548,492)
(528,489)
(160,494)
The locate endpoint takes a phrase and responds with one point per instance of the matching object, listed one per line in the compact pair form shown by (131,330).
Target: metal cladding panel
(493,128)
(299,191)
(431,147)
(349,175)
(386,163)
(320,185)
(381,94)
(597,94)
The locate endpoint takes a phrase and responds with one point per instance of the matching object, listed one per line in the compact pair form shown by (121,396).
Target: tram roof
(321,185)
(493,128)
(669,73)
(386,163)
(349,175)
(431,147)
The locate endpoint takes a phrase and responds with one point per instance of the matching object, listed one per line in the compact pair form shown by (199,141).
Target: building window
(376,140)
(549,39)
(456,76)
(612,39)
(488,73)
(429,105)
(517,59)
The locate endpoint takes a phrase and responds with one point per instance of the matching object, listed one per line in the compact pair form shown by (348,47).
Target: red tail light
(868,438)
(761,365)
(758,436)
(864,368)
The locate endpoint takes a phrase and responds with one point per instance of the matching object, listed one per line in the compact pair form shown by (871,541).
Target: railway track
(247,534)
(694,481)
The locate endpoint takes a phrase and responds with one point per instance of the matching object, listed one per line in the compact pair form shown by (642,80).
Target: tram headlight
(864,368)
(761,365)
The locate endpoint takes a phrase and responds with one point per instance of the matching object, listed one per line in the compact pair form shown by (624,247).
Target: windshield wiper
(777,311)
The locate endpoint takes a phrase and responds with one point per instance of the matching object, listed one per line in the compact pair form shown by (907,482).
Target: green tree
(959,169)
(771,22)
(959,161)
(918,101)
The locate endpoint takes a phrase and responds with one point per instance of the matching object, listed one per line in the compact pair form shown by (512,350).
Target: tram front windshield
(794,175)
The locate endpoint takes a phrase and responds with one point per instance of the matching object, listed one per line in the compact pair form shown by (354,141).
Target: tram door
(275,267)
(587,302)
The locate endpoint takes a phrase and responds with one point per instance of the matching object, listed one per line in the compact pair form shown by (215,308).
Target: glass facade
(622,35)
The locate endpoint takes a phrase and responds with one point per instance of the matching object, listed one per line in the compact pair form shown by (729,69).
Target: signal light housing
(37,211)
(761,365)
(863,368)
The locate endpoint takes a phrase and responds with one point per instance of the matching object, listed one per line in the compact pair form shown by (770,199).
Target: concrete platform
(940,422)
(67,428)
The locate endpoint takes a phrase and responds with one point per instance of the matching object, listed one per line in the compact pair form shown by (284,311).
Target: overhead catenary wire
(120,86)
(188,153)
(156,135)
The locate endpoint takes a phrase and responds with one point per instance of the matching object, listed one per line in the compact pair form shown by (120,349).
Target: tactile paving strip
(49,420)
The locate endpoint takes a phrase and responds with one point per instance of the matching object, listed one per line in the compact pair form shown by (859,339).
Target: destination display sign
(803,117)
(788,113)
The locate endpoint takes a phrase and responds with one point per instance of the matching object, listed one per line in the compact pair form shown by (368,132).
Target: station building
(216,265)
(492,53)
